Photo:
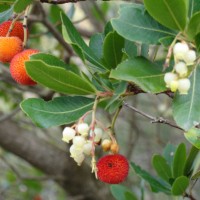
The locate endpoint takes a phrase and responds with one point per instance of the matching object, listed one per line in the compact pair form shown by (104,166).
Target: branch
(52,161)
(153,119)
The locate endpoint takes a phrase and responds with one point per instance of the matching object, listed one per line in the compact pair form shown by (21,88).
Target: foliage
(120,62)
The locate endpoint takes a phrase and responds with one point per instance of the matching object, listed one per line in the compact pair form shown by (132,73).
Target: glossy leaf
(112,49)
(20,5)
(186,109)
(197,41)
(58,79)
(6,14)
(162,168)
(130,196)
(170,13)
(180,185)
(194,6)
(156,185)
(49,60)
(59,111)
(130,49)
(96,44)
(193,136)
(179,161)
(168,153)
(196,175)
(120,192)
(193,27)
(148,76)
(189,165)
(166,41)
(72,36)
(136,25)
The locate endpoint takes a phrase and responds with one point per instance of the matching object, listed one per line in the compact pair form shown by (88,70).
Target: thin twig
(153,119)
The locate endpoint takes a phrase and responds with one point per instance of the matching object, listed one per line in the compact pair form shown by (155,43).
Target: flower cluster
(178,78)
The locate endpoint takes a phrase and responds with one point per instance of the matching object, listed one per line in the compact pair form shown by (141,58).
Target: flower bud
(183,85)
(174,86)
(169,77)
(106,144)
(181,69)
(87,148)
(79,159)
(98,134)
(82,128)
(180,49)
(68,134)
(74,151)
(190,57)
(79,141)
(114,148)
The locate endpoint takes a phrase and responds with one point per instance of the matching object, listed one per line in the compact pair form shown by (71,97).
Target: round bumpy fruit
(17,30)
(112,169)
(9,47)
(17,67)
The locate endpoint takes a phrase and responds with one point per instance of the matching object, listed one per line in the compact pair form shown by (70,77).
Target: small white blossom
(68,134)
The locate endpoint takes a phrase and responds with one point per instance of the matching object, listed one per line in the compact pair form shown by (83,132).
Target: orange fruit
(17,67)
(9,47)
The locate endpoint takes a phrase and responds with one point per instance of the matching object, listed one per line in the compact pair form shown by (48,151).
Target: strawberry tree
(124,60)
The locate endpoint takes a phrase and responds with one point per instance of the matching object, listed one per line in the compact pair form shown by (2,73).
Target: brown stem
(153,119)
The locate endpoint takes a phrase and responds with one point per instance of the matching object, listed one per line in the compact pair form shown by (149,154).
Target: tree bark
(52,161)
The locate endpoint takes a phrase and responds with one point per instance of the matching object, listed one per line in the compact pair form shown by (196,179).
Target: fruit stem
(13,23)
(92,127)
(114,119)
(25,26)
(170,51)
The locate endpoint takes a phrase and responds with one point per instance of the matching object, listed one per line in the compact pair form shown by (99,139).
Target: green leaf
(169,152)
(130,196)
(193,136)
(180,185)
(162,168)
(112,49)
(197,42)
(137,25)
(96,44)
(56,62)
(59,111)
(166,41)
(189,165)
(130,49)
(170,13)
(156,185)
(186,109)
(179,161)
(54,16)
(72,36)
(196,175)
(50,60)
(4,16)
(148,76)
(58,79)
(4,7)
(193,27)
(194,6)
(120,192)
(20,5)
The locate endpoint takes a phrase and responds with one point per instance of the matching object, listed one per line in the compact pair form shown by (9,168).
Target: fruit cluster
(111,169)
(12,35)
(178,78)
